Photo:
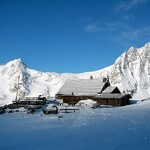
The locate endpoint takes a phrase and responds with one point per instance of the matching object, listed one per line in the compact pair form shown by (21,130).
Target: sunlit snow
(116,128)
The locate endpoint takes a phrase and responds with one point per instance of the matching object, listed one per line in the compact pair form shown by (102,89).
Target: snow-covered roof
(82,87)
(111,96)
(110,89)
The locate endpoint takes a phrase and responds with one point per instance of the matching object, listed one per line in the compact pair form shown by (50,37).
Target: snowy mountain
(130,72)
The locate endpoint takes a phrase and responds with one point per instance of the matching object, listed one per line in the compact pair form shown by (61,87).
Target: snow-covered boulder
(86,103)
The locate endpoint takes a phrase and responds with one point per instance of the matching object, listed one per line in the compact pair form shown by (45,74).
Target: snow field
(116,128)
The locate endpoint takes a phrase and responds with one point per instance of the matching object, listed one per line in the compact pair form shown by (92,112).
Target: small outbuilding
(112,99)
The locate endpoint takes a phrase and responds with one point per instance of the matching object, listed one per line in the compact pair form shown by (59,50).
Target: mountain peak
(13,67)
(16,62)
(147,45)
(132,48)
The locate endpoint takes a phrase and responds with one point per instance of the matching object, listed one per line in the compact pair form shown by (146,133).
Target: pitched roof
(82,87)
(110,89)
(111,96)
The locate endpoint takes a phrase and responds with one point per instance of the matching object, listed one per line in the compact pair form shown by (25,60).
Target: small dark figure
(10,111)
(2,111)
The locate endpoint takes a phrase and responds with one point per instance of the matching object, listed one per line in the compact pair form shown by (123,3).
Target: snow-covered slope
(130,72)
(120,128)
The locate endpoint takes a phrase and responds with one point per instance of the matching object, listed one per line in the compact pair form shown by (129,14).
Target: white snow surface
(86,103)
(82,87)
(130,73)
(119,128)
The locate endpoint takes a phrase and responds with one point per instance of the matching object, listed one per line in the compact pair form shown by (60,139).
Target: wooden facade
(72,100)
(113,99)
(31,101)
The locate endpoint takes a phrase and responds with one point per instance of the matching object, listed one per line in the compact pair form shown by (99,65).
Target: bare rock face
(130,72)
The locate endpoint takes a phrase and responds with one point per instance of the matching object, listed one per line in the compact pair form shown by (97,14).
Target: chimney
(91,77)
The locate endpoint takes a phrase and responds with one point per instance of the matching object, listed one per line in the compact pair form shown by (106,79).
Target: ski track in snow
(116,128)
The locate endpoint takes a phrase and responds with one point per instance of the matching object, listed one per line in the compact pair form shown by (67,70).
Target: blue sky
(71,35)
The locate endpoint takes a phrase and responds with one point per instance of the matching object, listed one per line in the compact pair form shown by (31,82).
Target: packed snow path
(122,128)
